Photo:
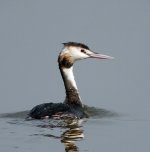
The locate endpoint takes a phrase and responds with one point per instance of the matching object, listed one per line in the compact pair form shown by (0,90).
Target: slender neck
(72,94)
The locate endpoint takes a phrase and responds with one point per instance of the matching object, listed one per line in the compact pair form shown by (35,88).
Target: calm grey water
(31,33)
(96,134)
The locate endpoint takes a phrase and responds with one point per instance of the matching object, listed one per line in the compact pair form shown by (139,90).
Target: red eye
(83,51)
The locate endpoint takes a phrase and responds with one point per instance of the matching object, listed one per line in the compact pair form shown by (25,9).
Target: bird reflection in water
(71,135)
(69,138)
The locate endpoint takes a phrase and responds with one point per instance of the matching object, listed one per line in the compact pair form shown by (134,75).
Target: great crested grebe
(72,106)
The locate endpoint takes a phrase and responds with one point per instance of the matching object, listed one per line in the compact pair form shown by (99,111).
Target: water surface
(107,131)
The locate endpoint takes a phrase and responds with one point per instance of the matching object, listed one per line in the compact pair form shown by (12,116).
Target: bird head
(73,51)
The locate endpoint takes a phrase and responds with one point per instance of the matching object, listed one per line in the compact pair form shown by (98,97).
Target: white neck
(68,73)
(72,94)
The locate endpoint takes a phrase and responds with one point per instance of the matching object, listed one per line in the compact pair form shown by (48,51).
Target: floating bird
(72,106)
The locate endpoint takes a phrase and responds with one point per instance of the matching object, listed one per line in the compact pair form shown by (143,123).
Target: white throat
(68,72)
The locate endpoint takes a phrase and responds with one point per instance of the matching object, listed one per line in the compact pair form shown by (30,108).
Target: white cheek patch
(69,75)
(77,54)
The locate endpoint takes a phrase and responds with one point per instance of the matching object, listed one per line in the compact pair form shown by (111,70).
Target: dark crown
(75,44)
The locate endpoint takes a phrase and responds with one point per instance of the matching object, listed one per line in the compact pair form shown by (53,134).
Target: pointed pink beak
(100,56)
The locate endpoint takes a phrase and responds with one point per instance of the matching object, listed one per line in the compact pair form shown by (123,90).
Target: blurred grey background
(31,33)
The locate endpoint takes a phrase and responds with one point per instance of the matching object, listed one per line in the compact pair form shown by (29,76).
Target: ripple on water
(92,112)
(67,132)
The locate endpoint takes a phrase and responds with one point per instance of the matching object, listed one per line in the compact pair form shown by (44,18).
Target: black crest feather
(76,44)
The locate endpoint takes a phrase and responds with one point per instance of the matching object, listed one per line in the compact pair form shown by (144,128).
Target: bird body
(51,110)
(72,105)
